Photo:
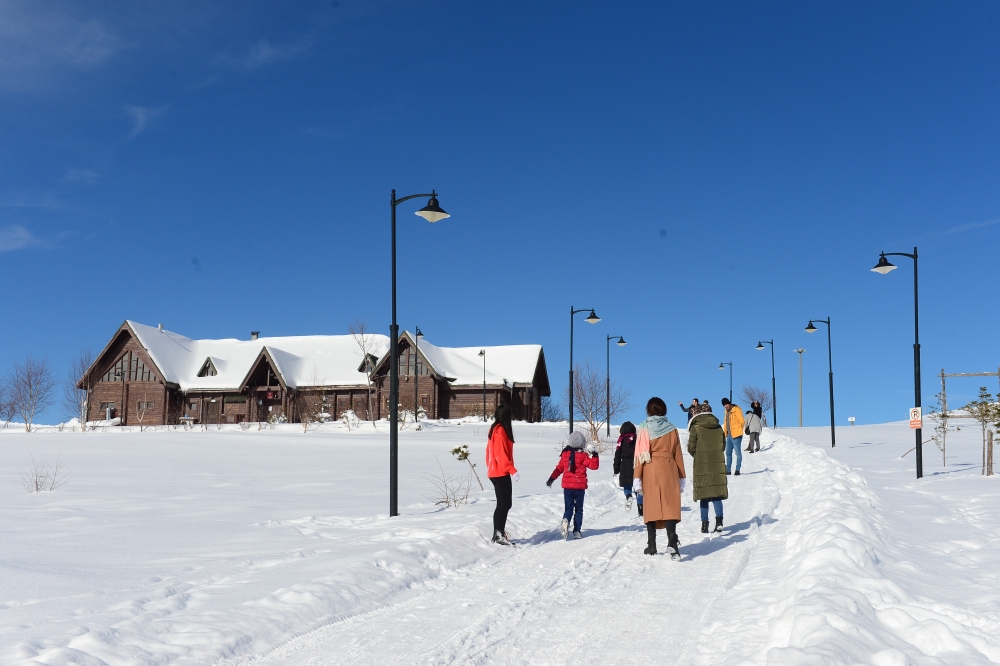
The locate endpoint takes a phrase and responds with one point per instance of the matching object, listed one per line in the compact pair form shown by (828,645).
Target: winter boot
(718,524)
(704,527)
(564,528)
(501,538)
(640,510)
(673,547)
(628,503)
(650,539)
(757,448)
(736,473)
(577,535)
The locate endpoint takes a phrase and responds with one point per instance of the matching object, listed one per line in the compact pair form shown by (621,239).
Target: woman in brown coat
(659,475)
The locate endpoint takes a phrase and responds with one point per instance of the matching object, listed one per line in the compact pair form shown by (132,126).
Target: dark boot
(704,527)
(640,510)
(718,524)
(673,543)
(650,539)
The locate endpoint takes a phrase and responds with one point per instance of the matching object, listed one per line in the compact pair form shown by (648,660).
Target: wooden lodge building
(151,376)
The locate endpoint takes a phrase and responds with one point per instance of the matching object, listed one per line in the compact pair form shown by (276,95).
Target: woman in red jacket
(500,468)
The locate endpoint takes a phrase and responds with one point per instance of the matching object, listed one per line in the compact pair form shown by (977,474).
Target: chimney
(160,326)
(254,335)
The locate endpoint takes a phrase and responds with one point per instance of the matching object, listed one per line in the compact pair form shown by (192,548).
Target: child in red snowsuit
(573,465)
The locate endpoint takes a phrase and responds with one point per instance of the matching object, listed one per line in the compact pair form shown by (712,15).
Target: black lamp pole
(884,267)
(730,364)
(829,351)
(607,375)
(774,397)
(482,352)
(416,374)
(592,318)
(432,213)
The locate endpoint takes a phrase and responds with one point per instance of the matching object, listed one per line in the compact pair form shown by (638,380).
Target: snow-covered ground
(274,547)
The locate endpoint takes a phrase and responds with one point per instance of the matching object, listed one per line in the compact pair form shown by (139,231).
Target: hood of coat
(705,420)
(577,440)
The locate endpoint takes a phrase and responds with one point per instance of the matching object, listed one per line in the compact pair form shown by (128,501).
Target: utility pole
(800,350)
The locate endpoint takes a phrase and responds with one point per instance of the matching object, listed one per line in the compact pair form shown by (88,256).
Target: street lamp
(799,351)
(607,375)
(774,398)
(592,318)
(730,364)
(812,329)
(482,352)
(416,374)
(883,266)
(432,212)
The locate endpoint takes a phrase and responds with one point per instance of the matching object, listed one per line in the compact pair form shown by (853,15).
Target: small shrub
(43,477)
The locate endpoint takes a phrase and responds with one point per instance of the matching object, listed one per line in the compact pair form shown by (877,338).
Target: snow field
(266,548)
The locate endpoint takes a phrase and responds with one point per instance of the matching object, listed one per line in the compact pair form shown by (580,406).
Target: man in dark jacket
(692,410)
(624,461)
(707,444)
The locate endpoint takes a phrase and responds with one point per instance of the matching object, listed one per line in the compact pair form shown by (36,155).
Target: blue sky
(704,175)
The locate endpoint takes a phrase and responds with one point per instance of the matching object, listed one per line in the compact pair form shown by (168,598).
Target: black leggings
(504,491)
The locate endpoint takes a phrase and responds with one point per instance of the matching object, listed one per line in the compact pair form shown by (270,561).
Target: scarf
(650,429)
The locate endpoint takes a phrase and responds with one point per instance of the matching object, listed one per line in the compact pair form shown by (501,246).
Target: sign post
(916,420)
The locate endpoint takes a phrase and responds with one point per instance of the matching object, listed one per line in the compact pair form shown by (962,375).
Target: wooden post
(989,453)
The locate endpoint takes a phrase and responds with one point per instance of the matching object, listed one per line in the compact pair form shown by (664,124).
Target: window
(107,405)
(208,369)
(231,399)
(129,368)
(145,406)
(194,407)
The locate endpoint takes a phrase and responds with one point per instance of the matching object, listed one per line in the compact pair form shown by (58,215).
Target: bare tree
(591,400)
(552,409)
(367,342)
(76,388)
(31,387)
(143,408)
(7,408)
(751,394)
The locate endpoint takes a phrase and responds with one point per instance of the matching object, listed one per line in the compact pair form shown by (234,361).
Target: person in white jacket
(754,426)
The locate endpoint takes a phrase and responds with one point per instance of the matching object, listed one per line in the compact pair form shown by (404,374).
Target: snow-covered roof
(305,360)
(514,363)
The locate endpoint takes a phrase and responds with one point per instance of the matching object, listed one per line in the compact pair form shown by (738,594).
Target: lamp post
(774,397)
(416,374)
(432,212)
(482,352)
(730,377)
(607,375)
(829,349)
(592,318)
(799,351)
(883,266)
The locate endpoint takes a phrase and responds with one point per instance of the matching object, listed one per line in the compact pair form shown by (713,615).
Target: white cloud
(82,176)
(142,116)
(15,237)
(39,43)
(264,53)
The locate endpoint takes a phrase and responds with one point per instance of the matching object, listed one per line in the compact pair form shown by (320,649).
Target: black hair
(501,417)
(656,407)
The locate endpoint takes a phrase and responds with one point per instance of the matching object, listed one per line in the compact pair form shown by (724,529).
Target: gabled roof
(515,364)
(306,360)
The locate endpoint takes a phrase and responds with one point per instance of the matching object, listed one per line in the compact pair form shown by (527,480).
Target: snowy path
(551,601)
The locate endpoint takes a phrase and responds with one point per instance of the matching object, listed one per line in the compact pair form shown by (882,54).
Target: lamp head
(621,341)
(419,334)
(810,328)
(432,212)
(883,266)
(722,366)
(760,346)
(593,318)
(482,352)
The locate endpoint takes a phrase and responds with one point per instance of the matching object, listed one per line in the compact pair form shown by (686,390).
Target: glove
(515,476)
(637,485)
(684,483)
(549,482)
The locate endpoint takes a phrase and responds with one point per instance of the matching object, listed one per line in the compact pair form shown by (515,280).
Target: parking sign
(915,418)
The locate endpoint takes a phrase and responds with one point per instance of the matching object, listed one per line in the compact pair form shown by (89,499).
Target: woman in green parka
(707,444)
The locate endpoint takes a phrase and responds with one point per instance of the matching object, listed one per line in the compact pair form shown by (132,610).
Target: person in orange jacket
(732,425)
(500,470)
